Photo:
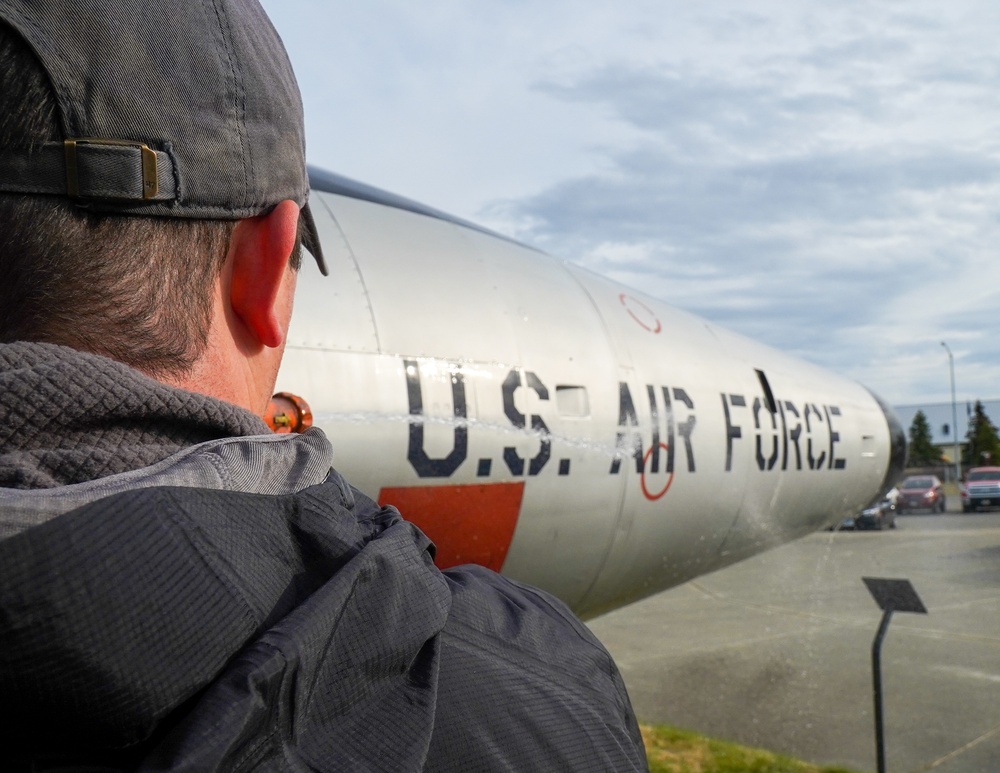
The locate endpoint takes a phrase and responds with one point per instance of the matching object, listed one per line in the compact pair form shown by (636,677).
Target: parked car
(846,524)
(921,492)
(981,488)
(881,515)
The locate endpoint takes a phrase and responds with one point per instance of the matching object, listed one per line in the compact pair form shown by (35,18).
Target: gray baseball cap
(167,109)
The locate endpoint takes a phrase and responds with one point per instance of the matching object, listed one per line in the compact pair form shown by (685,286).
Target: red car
(920,492)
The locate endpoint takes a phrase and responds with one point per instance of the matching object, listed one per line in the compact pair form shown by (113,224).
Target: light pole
(954,414)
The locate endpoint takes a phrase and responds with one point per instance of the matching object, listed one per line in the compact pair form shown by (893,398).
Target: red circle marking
(652,325)
(642,479)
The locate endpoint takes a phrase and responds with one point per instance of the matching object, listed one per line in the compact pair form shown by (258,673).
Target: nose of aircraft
(897,446)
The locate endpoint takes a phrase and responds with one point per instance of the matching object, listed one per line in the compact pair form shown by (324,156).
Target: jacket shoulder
(523,678)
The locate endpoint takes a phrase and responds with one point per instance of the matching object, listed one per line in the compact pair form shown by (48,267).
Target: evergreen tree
(923,453)
(982,445)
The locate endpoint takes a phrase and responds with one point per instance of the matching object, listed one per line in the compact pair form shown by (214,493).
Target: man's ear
(259,251)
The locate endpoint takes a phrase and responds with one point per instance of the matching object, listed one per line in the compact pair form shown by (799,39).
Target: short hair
(136,289)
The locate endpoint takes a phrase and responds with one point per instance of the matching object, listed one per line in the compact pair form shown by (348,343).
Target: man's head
(134,139)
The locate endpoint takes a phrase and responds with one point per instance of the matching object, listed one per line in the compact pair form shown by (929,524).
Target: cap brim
(310,238)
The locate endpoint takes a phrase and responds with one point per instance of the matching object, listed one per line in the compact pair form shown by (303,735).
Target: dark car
(881,515)
(981,489)
(920,492)
(846,524)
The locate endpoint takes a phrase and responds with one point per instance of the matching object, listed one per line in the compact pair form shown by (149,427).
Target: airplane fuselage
(545,421)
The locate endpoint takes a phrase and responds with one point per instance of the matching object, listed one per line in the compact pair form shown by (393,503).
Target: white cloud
(825,178)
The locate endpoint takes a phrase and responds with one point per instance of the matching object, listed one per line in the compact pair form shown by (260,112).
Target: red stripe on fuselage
(470,524)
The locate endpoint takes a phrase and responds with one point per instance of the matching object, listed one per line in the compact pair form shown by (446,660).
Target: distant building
(939,419)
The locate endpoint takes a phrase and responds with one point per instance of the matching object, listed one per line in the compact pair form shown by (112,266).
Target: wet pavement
(776,651)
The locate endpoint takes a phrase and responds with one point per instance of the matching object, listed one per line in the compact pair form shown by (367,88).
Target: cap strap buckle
(149,171)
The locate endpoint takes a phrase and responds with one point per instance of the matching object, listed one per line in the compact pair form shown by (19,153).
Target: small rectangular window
(572,401)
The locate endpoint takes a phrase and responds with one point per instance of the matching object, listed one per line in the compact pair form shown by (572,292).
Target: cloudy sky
(822,177)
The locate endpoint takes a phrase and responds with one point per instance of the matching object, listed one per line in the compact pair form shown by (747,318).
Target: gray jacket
(233,604)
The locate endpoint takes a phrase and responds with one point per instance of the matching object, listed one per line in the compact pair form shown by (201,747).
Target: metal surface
(891,596)
(954,415)
(439,356)
(877,690)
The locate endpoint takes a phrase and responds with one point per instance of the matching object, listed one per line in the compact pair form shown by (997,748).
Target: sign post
(891,596)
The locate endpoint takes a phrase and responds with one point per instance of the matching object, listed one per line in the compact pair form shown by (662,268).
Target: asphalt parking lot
(776,651)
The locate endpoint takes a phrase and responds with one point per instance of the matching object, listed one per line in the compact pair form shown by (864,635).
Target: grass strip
(670,750)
